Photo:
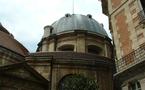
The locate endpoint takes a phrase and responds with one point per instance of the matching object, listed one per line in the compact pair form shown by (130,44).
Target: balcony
(132,59)
(141,15)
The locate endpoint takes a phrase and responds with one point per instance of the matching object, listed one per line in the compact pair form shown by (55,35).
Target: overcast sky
(25,19)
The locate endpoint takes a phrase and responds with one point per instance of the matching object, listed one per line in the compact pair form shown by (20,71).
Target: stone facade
(126,19)
(65,51)
(21,76)
(15,74)
(67,63)
(74,45)
(76,40)
(9,57)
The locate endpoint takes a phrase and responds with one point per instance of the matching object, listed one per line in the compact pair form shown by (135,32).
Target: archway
(77,82)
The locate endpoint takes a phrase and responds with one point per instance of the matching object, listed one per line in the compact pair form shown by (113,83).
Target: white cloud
(25,19)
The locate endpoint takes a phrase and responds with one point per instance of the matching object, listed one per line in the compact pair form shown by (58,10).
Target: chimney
(47,31)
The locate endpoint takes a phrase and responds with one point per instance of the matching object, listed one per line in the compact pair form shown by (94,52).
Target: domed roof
(73,22)
(8,41)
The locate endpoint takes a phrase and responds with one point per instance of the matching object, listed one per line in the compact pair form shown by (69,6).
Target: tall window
(143,3)
(135,86)
(142,13)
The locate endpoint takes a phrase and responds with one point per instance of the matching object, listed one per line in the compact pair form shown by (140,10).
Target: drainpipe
(51,72)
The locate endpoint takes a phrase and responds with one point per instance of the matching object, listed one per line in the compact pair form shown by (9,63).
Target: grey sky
(25,19)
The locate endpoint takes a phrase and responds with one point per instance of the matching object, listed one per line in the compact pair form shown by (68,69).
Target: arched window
(66,48)
(94,49)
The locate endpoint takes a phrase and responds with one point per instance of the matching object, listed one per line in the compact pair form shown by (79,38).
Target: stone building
(73,45)
(127,22)
(15,74)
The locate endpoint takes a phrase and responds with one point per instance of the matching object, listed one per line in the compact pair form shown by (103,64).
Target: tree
(78,82)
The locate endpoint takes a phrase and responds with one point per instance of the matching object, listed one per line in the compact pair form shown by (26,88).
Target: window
(135,86)
(142,12)
(94,49)
(66,48)
(142,3)
(133,11)
(142,46)
(135,19)
(140,36)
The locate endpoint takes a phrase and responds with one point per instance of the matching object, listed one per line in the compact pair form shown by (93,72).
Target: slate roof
(69,23)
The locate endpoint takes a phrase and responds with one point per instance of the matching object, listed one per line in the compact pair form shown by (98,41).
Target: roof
(7,40)
(69,23)
(3,29)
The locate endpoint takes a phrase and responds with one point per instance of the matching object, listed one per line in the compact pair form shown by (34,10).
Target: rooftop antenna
(73,6)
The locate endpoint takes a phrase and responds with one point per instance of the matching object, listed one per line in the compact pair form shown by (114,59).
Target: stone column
(125,87)
(44,46)
(51,46)
(142,83)
(81,43)
(105,50)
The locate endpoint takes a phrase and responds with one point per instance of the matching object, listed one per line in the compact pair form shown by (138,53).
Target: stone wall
(64,63)
(12,83)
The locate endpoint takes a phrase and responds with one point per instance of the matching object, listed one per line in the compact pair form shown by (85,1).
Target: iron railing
(141,15)
(132,59)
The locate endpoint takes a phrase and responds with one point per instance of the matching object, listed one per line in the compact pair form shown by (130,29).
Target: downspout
(51,72)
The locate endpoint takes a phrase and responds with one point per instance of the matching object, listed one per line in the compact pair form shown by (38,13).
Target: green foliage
(78,82)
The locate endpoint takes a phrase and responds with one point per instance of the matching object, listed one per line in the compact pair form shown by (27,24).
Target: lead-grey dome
(69,23)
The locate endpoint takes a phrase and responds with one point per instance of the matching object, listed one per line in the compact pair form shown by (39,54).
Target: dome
(7,41)
(69,23)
